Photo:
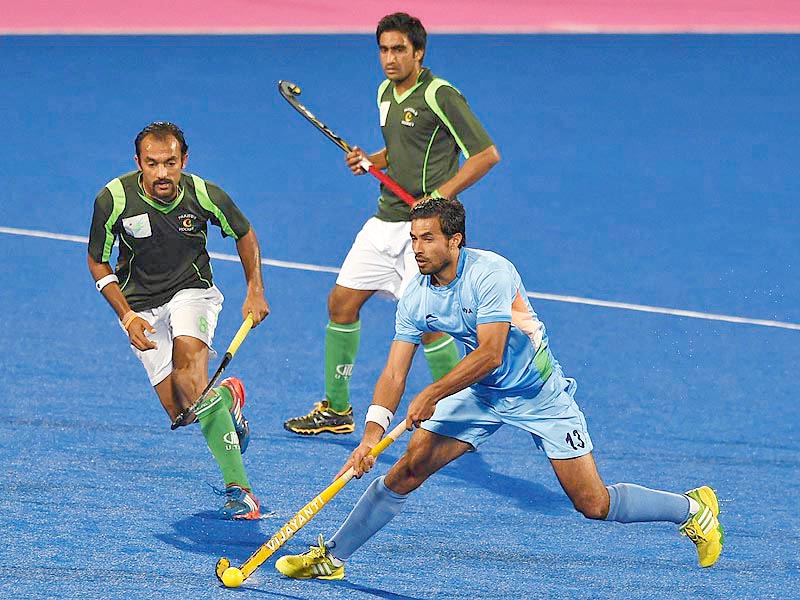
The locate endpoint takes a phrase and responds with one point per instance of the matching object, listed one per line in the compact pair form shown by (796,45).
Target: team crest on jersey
(137,226)
(409,114)
(187,222)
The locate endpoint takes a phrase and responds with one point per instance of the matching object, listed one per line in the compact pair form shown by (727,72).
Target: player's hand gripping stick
(291,91)
(233,576)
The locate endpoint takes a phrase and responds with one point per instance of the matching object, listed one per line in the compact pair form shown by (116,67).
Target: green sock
(442,356)
(217,425)
(341,347)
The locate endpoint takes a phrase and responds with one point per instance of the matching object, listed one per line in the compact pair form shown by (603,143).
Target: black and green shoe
(322,419)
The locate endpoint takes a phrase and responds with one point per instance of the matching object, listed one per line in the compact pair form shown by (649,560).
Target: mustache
(160,181)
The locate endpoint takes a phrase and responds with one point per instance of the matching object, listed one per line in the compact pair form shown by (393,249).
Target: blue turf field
(659,170)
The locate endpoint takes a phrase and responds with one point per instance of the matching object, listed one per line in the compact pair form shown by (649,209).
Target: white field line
(229,257)
(538,295)
(665,311)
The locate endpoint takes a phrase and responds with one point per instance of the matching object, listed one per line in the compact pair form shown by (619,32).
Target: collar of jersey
(462,256)
(408,92)
(164,208)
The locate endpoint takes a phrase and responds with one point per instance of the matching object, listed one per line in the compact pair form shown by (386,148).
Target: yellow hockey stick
(294,524)
(229,354)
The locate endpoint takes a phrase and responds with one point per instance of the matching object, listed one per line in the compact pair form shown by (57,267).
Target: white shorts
(191,312)
(380,259)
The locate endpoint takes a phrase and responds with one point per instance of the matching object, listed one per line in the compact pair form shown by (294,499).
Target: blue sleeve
(495,292)
(404,328)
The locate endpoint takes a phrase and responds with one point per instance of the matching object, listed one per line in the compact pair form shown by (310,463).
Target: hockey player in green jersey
(163,293)
(426,125)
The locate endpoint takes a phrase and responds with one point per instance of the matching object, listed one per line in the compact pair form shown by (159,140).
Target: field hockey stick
(307,513)
(247,325)
(290,91)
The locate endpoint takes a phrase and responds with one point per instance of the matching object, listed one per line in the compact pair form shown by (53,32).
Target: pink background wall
(269,16)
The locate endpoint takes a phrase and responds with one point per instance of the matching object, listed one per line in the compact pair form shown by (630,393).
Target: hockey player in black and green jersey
(163,292)
(426,125)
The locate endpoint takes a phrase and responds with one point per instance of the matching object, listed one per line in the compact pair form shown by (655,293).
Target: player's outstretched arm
(250,254)
(388,393)
(473,169)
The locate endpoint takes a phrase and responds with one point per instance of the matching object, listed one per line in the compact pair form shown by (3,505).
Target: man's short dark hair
(405,24)
(161,130)
(452,216)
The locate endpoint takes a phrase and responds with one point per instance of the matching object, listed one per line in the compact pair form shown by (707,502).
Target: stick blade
(222,564)
(288,89)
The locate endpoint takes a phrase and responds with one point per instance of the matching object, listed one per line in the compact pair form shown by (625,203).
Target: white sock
(334,561)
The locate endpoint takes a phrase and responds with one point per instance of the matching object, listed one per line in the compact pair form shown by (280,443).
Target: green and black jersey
(425,130)
(162,247)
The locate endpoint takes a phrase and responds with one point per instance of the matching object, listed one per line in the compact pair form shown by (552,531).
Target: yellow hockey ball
(232,577)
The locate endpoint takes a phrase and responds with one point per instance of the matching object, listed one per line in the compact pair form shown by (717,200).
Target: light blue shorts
(552,417)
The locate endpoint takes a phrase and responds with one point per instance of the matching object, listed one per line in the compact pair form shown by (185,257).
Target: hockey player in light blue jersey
(508,376)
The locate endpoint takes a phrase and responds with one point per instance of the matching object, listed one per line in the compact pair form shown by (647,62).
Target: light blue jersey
(487,289)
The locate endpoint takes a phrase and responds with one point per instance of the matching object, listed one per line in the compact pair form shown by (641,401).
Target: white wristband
(380,415)
(104,281)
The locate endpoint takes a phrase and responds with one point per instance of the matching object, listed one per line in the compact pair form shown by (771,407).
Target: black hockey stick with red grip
(291,91)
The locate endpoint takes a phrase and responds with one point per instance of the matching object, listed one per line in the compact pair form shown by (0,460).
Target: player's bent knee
(592,507)
(342,316)
(406,480)
(406,476)
(344,304)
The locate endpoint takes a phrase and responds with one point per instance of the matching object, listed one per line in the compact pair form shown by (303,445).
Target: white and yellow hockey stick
(236,576)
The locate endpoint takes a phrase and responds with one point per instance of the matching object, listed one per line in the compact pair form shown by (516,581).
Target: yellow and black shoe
(322,419)
(317,563)
(703,527)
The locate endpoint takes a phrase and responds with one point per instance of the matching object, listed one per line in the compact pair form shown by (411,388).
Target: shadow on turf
(528,495)
(206,533)
(341,586)
(254,590)
(372,591)
(378,593)
(471,468)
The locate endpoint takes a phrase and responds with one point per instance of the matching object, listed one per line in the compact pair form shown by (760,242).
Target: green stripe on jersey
(200,275)
(162,208)
(401,98)
(382,88)
(542,362)
(130,263)
(205,201)
(118,196)
(425,162)
(430,98)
